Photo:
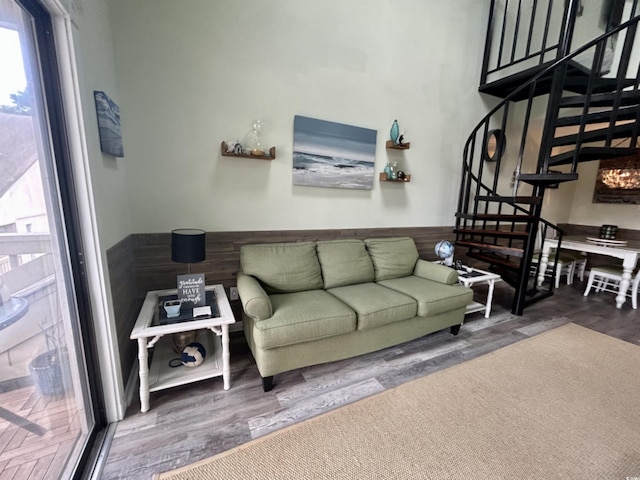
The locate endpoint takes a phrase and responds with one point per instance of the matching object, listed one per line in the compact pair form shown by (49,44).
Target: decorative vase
(395,132)
(182,339)
(387,171)
(394,170)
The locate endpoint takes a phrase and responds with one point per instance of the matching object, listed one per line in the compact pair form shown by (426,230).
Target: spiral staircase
(589,103)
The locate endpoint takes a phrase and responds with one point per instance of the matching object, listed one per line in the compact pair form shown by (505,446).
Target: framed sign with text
(191,290)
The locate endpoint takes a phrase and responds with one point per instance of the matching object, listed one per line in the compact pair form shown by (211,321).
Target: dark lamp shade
(187,245)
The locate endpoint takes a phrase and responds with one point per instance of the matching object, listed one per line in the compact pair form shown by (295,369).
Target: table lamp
(187,246)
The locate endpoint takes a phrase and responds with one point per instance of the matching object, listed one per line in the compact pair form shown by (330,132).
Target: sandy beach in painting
(320,171)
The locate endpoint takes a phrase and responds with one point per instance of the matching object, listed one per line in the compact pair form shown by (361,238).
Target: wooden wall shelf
(384,178)
(404,146)
(270,156)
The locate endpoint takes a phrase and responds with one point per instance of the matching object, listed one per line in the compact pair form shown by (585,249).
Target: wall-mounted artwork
(329,154)
(108,124)
(618,181)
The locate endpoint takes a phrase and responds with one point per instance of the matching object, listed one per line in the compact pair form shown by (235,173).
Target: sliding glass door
(49,408)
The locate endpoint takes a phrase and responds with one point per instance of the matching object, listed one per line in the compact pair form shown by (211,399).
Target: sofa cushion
(432,297)
(283,267)
(303,317)
(392,257)
(376,305)
(344,262)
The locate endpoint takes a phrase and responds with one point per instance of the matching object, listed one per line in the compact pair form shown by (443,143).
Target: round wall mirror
(494,145)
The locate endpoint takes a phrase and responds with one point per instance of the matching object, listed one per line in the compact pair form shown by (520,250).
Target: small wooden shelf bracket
(384,178)
(270,156)
(393,146)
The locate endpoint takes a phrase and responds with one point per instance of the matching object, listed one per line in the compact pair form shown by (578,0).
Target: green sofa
(307,303)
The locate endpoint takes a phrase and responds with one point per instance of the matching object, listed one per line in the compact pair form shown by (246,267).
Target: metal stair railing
(479,179)
(508,19)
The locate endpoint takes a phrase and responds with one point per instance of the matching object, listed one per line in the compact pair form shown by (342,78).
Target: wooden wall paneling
(125,294)
(142,262)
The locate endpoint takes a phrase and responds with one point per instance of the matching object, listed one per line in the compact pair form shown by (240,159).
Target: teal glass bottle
(387,171)
(395,132)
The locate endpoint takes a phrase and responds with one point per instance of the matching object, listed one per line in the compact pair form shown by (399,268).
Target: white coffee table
(149,332)
(469,277)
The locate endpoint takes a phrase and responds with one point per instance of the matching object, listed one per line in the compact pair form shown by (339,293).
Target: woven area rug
(563,404)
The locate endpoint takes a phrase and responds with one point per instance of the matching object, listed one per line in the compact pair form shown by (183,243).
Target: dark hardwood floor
(186,424)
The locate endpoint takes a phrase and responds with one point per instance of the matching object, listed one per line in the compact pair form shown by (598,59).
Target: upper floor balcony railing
(528,35)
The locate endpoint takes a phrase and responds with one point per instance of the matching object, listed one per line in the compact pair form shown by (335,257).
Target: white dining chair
(566,263)
(607,279)
(565,266)
(580,262)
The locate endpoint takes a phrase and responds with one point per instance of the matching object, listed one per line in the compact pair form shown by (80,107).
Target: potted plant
(49,370)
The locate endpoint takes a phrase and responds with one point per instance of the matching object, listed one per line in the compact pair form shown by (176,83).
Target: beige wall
(93,43)
(192,74)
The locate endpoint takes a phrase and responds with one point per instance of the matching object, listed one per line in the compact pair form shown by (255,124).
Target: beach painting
(108,124)
(334,155)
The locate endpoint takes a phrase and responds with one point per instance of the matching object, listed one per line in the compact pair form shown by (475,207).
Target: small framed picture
(108,124)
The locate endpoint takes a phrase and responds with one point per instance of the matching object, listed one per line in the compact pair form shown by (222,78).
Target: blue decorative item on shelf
(395,132)
(445,250)
(387,171)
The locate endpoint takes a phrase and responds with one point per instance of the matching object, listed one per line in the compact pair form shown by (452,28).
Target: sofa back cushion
(283,267)
(344,262)
(392,257)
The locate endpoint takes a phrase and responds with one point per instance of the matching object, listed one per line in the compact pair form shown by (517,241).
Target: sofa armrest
(255,301)
(436,272)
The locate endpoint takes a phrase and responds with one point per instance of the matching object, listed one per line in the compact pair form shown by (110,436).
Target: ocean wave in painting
(322,171)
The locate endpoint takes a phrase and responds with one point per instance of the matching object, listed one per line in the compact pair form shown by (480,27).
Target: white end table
(472,276)
(148,331)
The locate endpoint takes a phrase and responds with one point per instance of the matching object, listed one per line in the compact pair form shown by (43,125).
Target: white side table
(476,276)
(148,331)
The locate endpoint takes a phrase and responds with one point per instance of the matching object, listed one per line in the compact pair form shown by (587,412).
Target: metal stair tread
(543,179)
(587,154)
(625,113)
(496,216)
(597,135)
(628,97)
(491,233)
(512,251)
(494,260)
(500,198)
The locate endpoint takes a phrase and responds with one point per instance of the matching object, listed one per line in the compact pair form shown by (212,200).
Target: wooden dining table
(628,254)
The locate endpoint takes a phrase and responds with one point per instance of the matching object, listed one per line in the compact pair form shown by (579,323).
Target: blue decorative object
(445,250)
(387,171)
(395,132)
(193,355)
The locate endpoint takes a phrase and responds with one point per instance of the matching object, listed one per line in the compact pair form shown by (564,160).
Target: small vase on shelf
(387,170)
(395,132)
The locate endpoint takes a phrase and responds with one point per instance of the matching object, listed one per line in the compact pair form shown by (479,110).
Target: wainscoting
(142,262)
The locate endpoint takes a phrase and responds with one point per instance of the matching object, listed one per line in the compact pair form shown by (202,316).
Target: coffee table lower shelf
(162,376)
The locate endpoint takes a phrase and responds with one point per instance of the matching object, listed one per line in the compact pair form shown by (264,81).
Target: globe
(444,250)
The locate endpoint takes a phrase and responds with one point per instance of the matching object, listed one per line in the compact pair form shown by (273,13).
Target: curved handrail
(467,171)
(554,65)
(473,168)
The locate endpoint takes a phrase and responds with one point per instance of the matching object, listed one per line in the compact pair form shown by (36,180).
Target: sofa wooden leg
(455,329)
(267,383)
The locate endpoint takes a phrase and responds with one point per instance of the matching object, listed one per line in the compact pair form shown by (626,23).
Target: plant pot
(48,372)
